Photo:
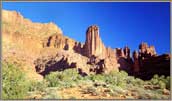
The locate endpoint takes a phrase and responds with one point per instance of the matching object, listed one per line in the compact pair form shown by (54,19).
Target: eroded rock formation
(136,64)
(60,61)
(99,58)
(124,59)
(119,52)
(93,44)
(126,52)
(78,47)
(147,62)
(31,41)
(110,53)
(146,51)
(59,41)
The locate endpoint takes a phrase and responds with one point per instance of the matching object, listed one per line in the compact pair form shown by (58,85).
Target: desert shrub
(53,79)
(122,79)
(113,73)
(116,78)
(71,74)
(156,76)
(68,84)
(138,82)
(124,74)
(66,78)
(38,86)
(111,80)
(121,84)
(162,84)
(97,77)
(130,80)
(154,81)
(167,82)
(162,81)
(162,77)
(14,84)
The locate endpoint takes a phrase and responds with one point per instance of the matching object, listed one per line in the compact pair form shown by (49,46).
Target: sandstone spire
(94,45)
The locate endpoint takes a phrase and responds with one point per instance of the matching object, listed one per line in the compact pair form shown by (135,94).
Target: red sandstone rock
(93,44)
(59,41)
(147,62)
(136,66)
(126,52)
(119,52)
(145,50)
(110,53)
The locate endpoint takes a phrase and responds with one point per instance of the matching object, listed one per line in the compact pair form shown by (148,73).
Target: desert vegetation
(115,85)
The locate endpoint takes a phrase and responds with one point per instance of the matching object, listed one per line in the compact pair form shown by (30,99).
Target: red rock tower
(94,45)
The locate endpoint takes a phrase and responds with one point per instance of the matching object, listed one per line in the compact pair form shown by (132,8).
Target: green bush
(38,86)
(65,78)
(14,84)
(97,77)
(124,74)
(118,78)
(154,81)
(161,81)
(162,84)
(155,76)
(53,79)
(70,75)
(111,80)
(168,82)
(139,82)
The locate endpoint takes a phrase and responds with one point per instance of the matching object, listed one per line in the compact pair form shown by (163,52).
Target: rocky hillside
(23,40)
(17,23)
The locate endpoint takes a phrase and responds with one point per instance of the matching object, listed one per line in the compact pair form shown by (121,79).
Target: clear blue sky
(120,23)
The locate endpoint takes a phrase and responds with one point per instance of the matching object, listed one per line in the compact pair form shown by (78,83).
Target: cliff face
(22,34)
(13,21)
(22,40)
(60,42)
